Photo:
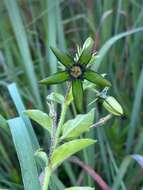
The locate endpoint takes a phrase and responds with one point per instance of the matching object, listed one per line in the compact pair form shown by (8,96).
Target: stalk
(54,139)
(63,113)
(48,172)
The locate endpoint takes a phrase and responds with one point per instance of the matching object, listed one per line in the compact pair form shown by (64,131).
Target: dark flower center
(76,71)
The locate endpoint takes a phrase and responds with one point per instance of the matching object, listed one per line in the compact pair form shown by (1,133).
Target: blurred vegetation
(27,29)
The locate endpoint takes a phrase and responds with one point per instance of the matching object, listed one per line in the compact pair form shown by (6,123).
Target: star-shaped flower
(76,71)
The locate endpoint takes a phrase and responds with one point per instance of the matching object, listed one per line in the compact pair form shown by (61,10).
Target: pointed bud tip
(88,42)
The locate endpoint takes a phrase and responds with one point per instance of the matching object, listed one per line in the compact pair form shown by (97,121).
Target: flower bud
(88,43)
(111,104)
(86,54)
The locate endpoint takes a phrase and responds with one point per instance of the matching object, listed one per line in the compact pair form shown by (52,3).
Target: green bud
(88,43)
(86,54)
(42,156)
(111,104)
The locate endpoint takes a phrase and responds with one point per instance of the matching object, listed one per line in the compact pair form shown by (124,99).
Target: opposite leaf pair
(76,71)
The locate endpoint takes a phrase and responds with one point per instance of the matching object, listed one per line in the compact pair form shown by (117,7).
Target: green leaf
(96,78)
(77,126)
(66,150)
(65,59)
(77,91)
(80,188)
(135,111)
(40,117)
(87,52)
(56,78)
(25,153)
(55,97)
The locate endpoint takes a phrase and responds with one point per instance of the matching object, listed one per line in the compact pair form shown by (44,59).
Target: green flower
(76,71)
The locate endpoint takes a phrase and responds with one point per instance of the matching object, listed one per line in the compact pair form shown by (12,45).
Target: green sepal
(77,91)
(56,78)
(86,54)
(65,59)
(96,78)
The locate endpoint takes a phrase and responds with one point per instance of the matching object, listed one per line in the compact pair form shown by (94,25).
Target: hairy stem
(63,112)
(54,139)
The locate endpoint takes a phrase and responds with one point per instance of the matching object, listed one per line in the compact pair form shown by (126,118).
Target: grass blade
(22,41)
(135,112)
(121,173)
(25,153)
(111,41)
(51,34)
(20,108)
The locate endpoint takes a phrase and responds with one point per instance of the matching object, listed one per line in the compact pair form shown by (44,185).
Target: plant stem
(53,132)
(48,169)
(63,112)
(46,178)
(62,118)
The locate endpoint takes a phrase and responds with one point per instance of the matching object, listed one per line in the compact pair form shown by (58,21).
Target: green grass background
(27,29)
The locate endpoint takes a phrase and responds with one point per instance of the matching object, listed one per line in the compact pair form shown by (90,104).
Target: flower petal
(65,59)
(56,78)
(77,91)
(96,78)
(86,54)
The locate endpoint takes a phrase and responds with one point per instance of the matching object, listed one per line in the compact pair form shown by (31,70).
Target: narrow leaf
(123,169)
(25,154)
(135,111)
(138,158)
(22,41)
(3,123)
(14,93)
(66,150)
(105,48)
(56,183)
